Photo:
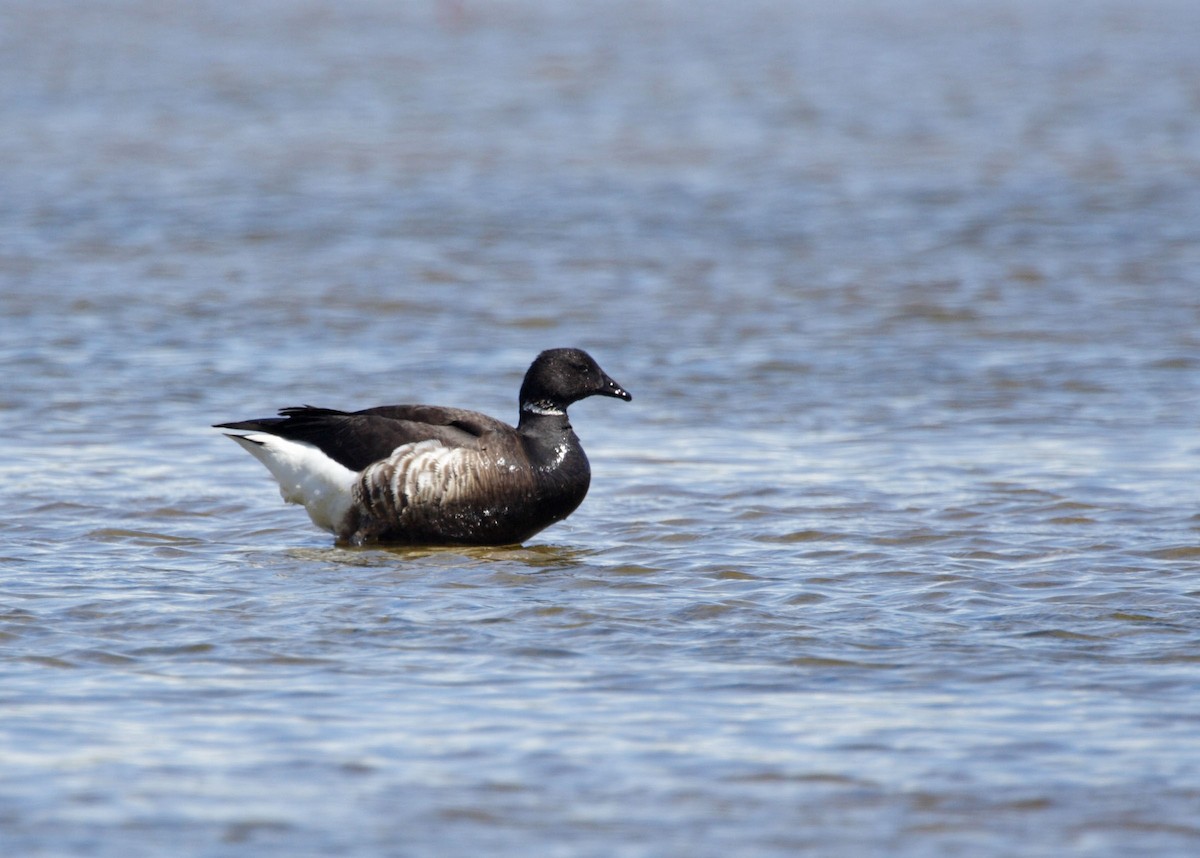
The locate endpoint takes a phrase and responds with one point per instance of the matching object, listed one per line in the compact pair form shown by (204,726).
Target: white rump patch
(306,476)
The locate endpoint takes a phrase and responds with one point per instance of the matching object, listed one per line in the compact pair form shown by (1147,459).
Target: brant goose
(424,475)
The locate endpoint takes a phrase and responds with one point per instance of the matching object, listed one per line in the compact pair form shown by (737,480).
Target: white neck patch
(543,408)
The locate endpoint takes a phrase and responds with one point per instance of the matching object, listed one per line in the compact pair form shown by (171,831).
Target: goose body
(428,475)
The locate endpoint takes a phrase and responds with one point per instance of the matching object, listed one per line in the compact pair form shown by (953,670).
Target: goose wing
(356,439)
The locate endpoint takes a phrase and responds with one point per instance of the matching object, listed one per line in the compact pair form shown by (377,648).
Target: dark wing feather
(471,422)
(358,439)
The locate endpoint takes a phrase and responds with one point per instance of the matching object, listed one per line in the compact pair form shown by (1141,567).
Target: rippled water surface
(896,550)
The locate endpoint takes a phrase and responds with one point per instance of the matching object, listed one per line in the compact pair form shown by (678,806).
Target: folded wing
(358,439)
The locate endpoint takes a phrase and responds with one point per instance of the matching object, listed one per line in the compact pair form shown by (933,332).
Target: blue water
(895,552)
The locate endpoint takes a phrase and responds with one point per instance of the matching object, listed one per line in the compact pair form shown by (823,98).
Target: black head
(559,377)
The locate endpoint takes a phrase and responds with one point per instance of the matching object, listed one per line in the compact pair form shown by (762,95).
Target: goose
(430,475)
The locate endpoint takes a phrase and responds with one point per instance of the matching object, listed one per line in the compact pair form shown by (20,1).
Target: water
(895,552)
